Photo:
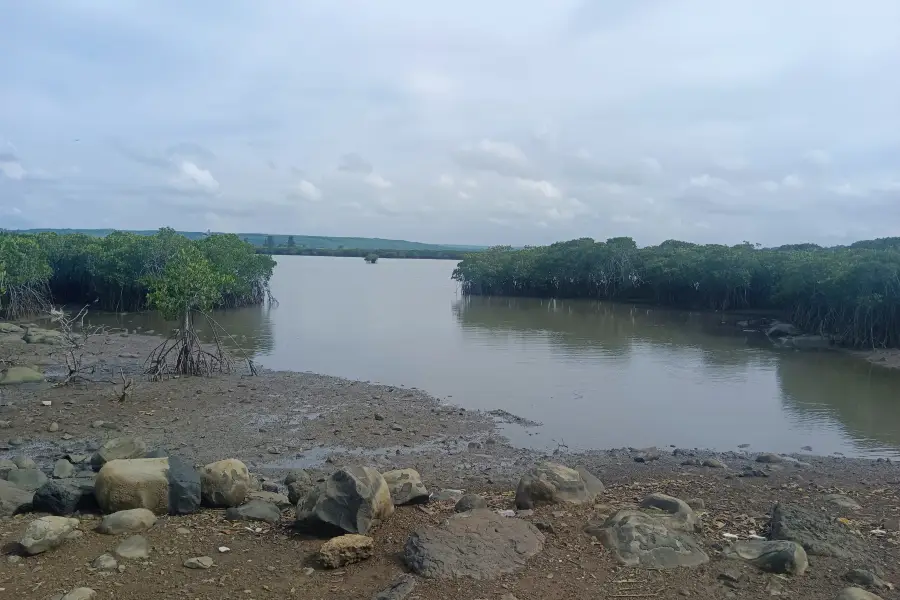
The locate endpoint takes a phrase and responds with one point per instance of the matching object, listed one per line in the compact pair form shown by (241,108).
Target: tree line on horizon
(848,293)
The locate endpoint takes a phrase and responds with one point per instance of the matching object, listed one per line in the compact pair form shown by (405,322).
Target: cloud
(201,178)
(12,169)
(377,181)
(308,191)
(354,163)
(504,158)
(445,180)
(542,187)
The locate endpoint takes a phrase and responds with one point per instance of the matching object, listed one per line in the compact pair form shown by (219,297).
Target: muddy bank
(280,421)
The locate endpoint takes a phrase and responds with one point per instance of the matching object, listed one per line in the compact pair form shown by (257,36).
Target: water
(596,375)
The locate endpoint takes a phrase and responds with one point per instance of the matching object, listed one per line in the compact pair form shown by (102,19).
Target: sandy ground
(279,421)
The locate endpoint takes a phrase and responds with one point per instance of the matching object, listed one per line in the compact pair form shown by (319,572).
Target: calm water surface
(597,375)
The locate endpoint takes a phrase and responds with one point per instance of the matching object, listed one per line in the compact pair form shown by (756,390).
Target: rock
(199,562)
(782,330)
(855,593)
(647,455)
(27,479)
(36,335)
(352,499)
(9,328)
(183,531)
(676,513)
(696,503)
(446,495)
(775,585)
(14,500)
(5,467)
(81,593)
(127,521)
(225,483)
(867,578)
(398,590)
(769,458)
(255,510)
(23,462)
(406,487)
(807,342)
(470,502)
(271,486)
(135,546)
(162,485)
(105,562)
(46,533)
(479,544)
(53,427)
(63,469)
(17,375)
(345,550)
(843,502)
(638,539)
(118,449)
(299,475)
(279,500)
(297,491)
(378,416)
(713,463)
(815,531)
(552,483)
(65,497)
(772,556)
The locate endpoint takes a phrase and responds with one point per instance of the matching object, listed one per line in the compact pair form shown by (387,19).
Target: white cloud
(377,181)
(201,177)
(818,157)
(792,181)
(542,187)
(770,186)
(710,182)
(12,169)
(445,180)
(464,194)
(309,191)
(428,83)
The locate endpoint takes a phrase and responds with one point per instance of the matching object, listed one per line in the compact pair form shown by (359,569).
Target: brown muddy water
(595,375)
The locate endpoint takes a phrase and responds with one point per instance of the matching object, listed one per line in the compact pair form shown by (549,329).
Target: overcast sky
(482,122)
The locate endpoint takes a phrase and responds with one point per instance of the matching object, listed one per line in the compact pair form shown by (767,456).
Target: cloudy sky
(482,122)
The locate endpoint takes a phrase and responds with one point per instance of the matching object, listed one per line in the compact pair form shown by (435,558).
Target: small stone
(401,588)
(67,436)
(308,571)
(855,593)
(63,469)
(105,562)
(183,531)
(46,403)
(46,533)
(345,550)
(271,487)
(23,462)
(396,427)
(379,417)
(867,578)
(80,594)
(5,425)
(97,424)
(13,559)
(470,502)
(135,546)
(696,503)
(224,549)
(807,448)
(54,427)
(255,510)
(769,458)
(775,586)
(199,562)
(273,450)
(27,479)
(713,463)
(843,502)
(127,521)
(447,494)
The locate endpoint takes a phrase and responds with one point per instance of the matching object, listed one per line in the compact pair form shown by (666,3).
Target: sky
(501,122)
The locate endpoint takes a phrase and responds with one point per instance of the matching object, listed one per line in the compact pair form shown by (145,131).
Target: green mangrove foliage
(851,294)
(115,272)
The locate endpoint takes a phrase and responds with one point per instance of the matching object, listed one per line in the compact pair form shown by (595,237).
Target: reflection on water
(595,374)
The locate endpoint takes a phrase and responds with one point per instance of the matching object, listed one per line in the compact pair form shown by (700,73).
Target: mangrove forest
(119,271)
(849,293)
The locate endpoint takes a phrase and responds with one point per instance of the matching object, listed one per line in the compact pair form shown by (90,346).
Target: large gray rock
(399,589)
(351,500)
(46,533)
(279,500)
(225,483)
(122,448)
(13,499)
(479,544)
(470,502)
(552,483)
(162,485)
(819,534)
(674,512)
(23,462)
(16,375)
(35,335)
(135,546)
(6,466)
(27,479)
(640,539)
(867,578)
(778,556)
(127,521)
(255,510)
(406,487)
(855,593)
(65,497)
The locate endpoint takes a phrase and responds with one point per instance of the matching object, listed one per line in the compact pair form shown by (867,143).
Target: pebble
(80,594)
(224,549)
(53,427)
(183,531)
(135,546)
(199,562)
(379,417)
(308,571)
(46,402)
(105,562)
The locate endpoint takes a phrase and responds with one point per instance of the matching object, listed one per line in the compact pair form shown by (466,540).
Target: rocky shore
(299,485)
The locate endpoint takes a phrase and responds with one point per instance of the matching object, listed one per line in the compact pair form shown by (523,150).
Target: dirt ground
(279,421)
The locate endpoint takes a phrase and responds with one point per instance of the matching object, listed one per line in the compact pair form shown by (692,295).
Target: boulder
(781,330)
(769,458)
(118,449)
(23,462)
(855,593)
(65,497)
(14,500)
(279,500)
(351,500)
(127,521)
(162,485)
(479,544)
(46,533)
(867,578)
(552,483)
(843,502)
(6,466)
(640,539)
(772,556)
(224,483)
(105,562)
(470,502)
(298,476)
(398,590)
(297,491)
(819,534)
(133,547)
(345,550)
(674,512)
(7,328)
(17,375)
(63,469)
(36,335)
(255,510)
(27,479)
(406,487)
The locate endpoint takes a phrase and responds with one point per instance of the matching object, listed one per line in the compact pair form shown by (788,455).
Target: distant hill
(303,241)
